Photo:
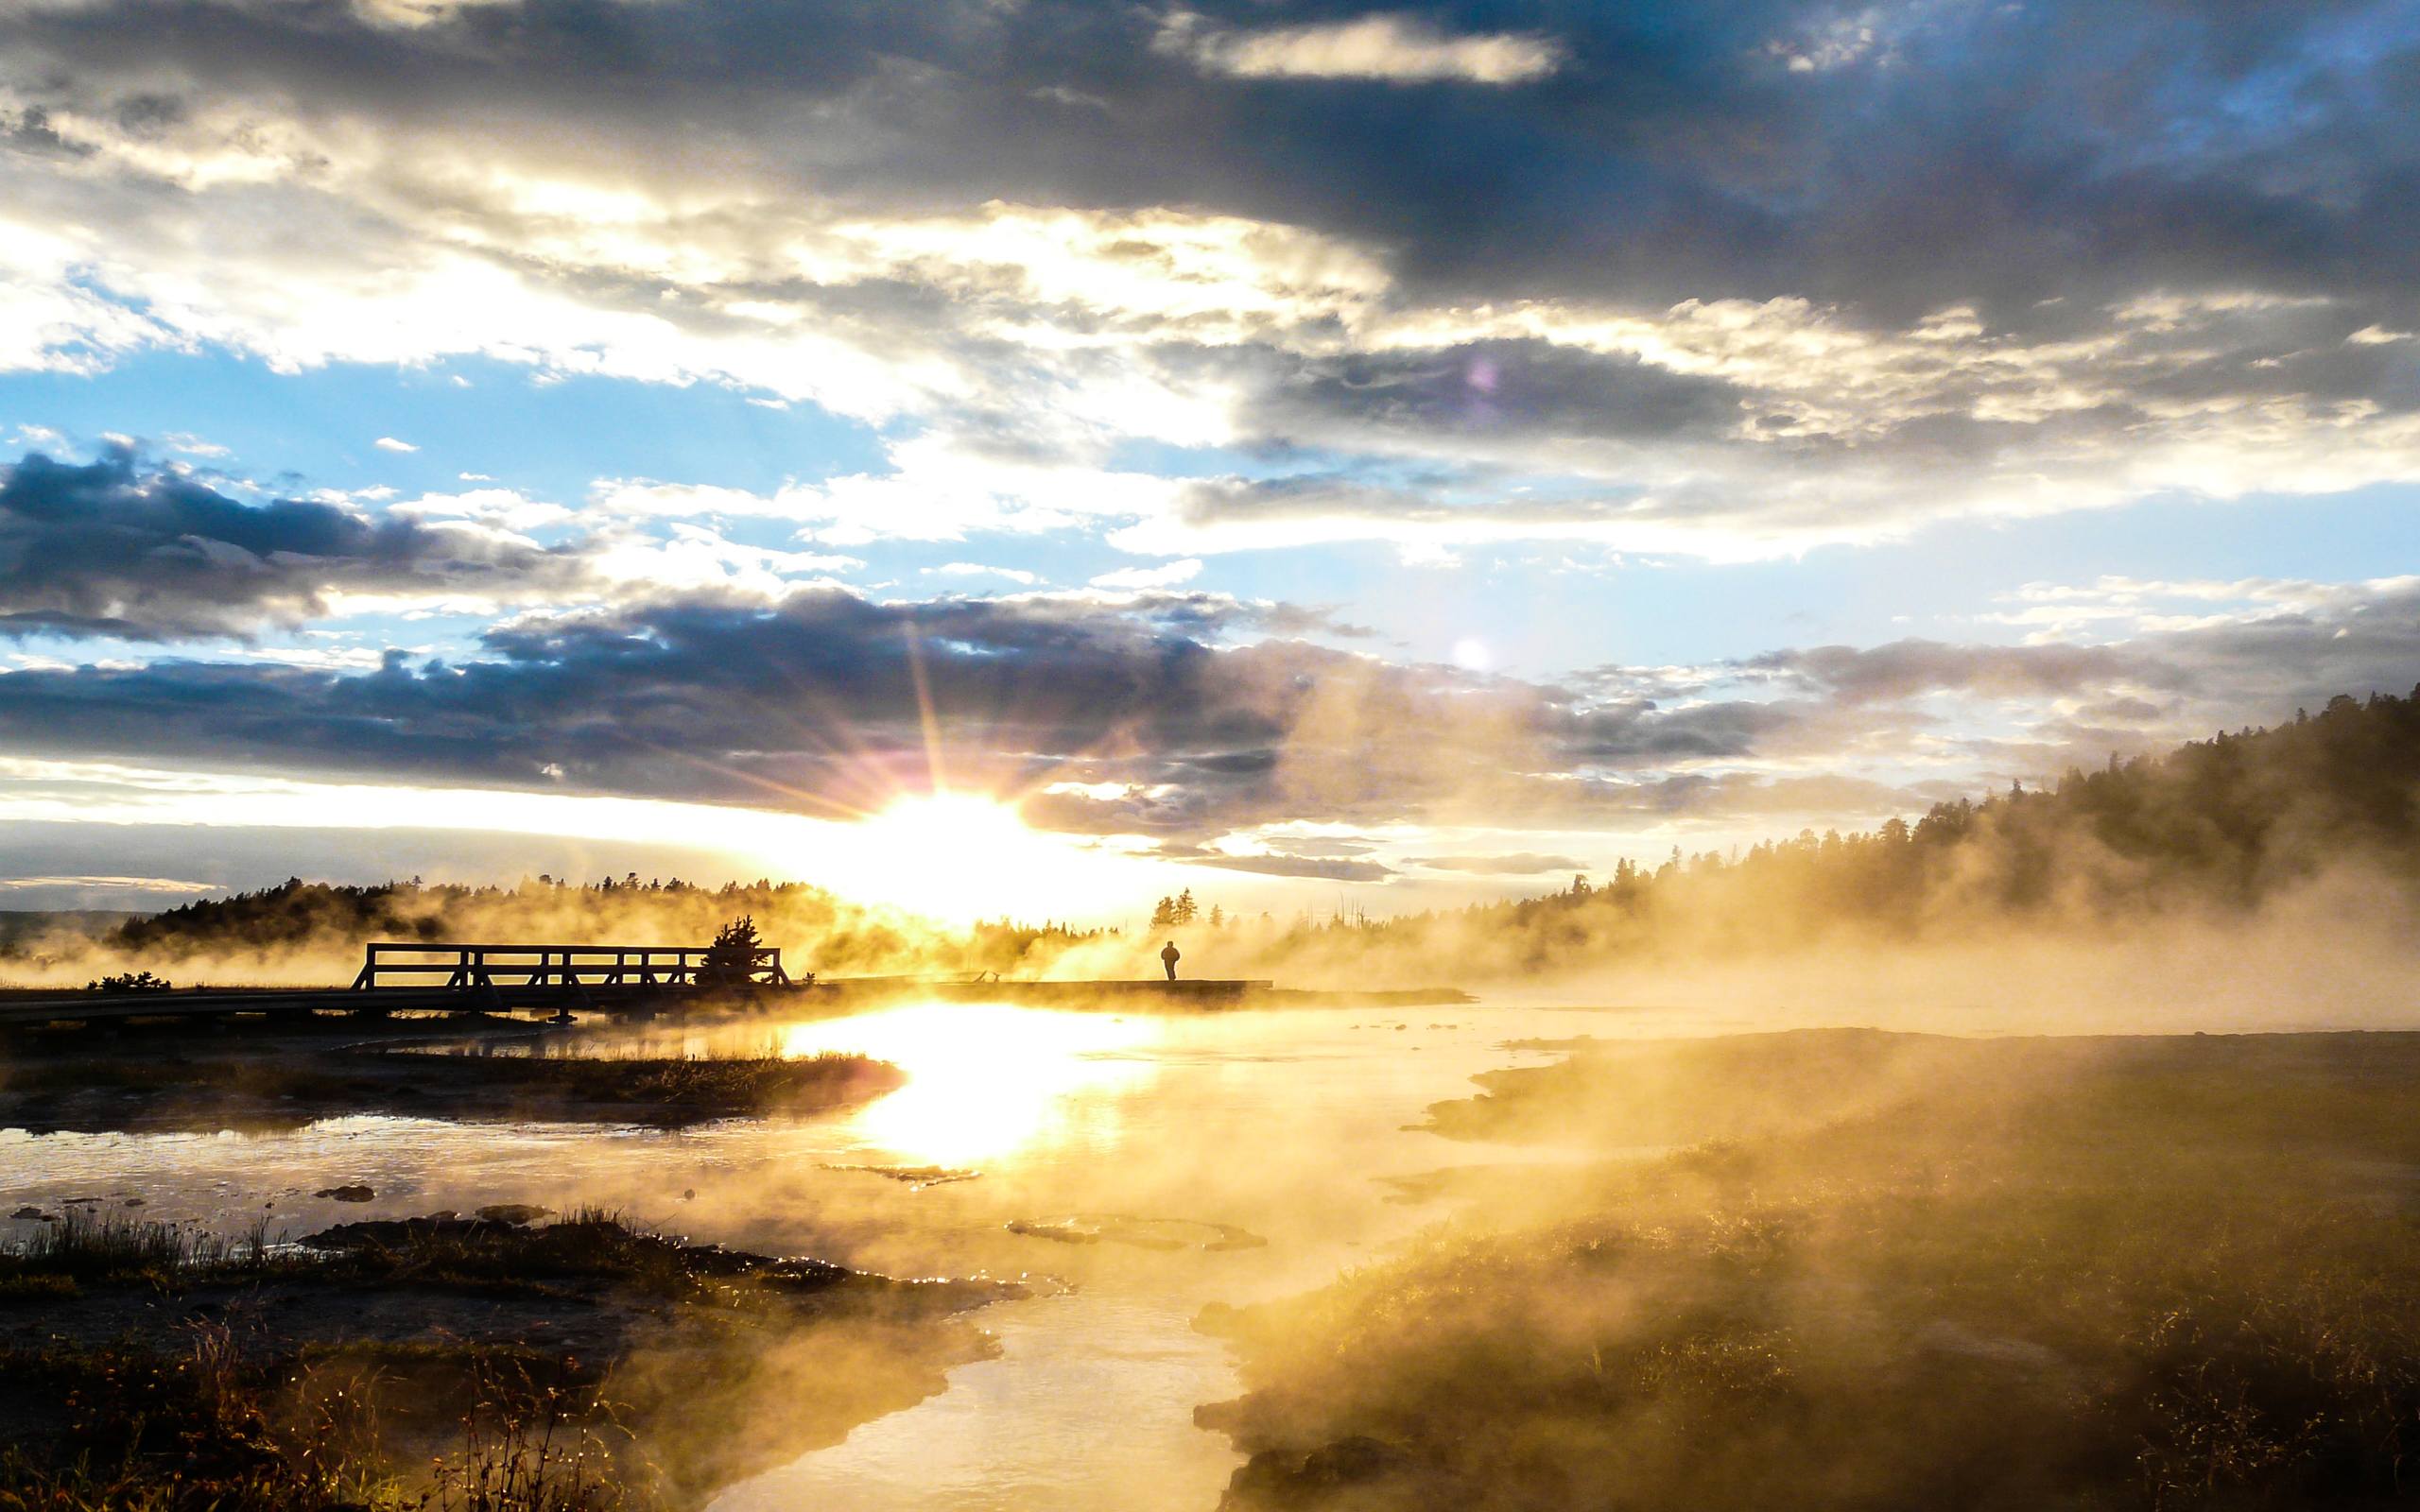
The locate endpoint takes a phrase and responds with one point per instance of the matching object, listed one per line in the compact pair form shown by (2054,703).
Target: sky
(1314,454)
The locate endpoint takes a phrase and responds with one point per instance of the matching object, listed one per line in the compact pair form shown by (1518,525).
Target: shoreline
(291,1076)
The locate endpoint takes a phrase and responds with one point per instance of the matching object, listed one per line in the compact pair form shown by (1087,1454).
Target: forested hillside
(2215,825)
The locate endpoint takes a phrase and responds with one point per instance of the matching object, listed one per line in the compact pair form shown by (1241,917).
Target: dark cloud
(1172,717)
(1213,505)
(1533,389)
(1909,669)
(819,703)
(2163,219)
(111,549)
(2009,153)
(2362,637)
(1329,869)
(1642,733)
(2121,710)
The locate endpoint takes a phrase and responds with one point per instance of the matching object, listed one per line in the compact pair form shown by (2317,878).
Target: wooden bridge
(400,976)
(573,969)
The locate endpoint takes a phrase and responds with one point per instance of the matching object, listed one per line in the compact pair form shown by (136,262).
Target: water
(1192,1132)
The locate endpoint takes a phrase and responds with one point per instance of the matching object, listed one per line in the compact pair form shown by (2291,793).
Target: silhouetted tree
(731,958)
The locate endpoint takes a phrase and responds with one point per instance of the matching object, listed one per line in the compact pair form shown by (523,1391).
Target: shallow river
(1142,1155)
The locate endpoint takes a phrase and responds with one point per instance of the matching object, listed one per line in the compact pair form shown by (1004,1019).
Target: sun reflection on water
(985,1080)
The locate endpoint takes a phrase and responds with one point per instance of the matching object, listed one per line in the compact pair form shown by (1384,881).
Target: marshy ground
(1842,1269)
(472,1066)
(1833,1269)
(510,1357)
(585,1361)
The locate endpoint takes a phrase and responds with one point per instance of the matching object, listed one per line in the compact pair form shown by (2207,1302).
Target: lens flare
(955,856)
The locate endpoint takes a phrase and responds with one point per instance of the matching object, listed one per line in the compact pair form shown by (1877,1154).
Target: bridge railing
(481,967)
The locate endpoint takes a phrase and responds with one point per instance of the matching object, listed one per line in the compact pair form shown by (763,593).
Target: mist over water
(1149,1140)
(1133,1169)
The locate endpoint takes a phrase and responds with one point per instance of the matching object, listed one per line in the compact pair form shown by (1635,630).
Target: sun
(957,856)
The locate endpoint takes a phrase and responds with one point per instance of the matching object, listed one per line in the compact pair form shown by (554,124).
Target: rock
(918,1176)
(29,1210)
(1066,1233)
(347,1194)
(1359,1471)
(393,1233)
(514,1213)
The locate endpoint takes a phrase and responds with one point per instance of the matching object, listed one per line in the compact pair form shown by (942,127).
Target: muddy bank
(679,1367)
(199,1081)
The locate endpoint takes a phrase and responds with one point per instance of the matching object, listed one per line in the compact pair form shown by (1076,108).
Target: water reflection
(984,1080)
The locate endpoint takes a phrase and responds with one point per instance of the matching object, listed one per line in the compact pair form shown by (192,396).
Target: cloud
(1327,869)
(1909,669)
(1183,707)
(976,569)
(1678,257)
(1182,719)
(1395,49)
(387,443)
(139,885)
(106,549)
(1520,863)
(1167,574)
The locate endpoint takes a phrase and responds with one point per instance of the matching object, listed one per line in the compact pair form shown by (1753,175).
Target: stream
(1133,1168)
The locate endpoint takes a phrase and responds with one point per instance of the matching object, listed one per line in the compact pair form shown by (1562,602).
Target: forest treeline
(2222,824)
(313,926)
(2218,825)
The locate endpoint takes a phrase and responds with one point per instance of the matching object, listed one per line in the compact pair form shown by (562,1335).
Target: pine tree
(731,958)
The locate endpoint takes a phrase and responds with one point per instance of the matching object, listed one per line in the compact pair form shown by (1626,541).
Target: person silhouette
(1169,958)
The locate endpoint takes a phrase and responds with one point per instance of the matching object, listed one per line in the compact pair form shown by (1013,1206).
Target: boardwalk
(417,977)
(635,981)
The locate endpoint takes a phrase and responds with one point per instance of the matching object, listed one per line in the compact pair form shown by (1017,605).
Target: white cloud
(1166,575)
(2114,606)
(387,443)
(505,509)
(1835,41)
(976,569)
(649,498)
(1391,48)
(163,884)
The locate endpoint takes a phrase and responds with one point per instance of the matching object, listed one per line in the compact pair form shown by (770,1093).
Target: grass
(205,1431)
(102,1087)
(2029,1277)
(671,1368)
(83,1245)
(733,1080)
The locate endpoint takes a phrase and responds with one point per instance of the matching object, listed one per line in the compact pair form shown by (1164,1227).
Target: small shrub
(126,981)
